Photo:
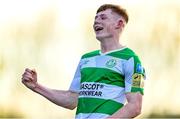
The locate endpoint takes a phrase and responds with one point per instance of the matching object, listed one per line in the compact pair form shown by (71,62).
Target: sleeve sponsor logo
(139,68)
(137,80)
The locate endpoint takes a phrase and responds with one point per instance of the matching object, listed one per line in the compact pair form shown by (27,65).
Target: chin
(98,37)
(102,36)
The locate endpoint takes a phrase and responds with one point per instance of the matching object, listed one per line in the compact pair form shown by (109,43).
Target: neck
(110,44)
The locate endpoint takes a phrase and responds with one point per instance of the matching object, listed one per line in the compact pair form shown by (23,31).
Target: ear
(120,24)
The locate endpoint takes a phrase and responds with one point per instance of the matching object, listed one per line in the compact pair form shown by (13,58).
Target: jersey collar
(112,51)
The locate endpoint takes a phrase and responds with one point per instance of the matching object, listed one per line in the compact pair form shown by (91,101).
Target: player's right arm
(66,99)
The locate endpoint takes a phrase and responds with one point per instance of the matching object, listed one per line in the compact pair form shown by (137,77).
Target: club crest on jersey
(137,80)
(111,63)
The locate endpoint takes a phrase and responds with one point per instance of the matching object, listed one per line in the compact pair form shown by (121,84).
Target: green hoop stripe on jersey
(97,75)
(87,105)
(134,89)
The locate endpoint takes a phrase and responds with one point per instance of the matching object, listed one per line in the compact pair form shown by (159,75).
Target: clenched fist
(29,78)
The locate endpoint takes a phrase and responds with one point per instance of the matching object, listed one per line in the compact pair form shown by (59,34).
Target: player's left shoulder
(129,53)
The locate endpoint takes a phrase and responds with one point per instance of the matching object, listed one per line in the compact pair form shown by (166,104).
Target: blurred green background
(51,36)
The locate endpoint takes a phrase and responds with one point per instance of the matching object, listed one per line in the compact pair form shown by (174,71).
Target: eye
(103,17)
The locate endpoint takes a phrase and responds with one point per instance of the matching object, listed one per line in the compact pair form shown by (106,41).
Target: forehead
(105,12)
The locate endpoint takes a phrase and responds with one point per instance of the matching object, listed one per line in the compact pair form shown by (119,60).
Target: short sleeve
(75,84)
(134,75)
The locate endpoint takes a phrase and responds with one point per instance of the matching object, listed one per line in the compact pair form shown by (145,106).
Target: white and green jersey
(103,79)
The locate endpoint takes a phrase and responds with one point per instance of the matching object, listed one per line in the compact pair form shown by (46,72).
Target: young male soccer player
(105,79)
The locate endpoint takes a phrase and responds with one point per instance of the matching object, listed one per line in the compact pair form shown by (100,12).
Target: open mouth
(98,28)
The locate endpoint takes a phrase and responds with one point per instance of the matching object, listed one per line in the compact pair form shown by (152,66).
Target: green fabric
(135,89)
(123,54)
(95,105)
(102,75)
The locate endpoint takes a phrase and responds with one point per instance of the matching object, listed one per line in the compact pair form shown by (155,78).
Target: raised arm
(66,99)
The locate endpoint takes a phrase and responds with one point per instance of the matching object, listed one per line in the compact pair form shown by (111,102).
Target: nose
(97,21)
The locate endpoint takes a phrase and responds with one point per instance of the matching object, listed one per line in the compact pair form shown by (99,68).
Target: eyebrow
(101,15)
